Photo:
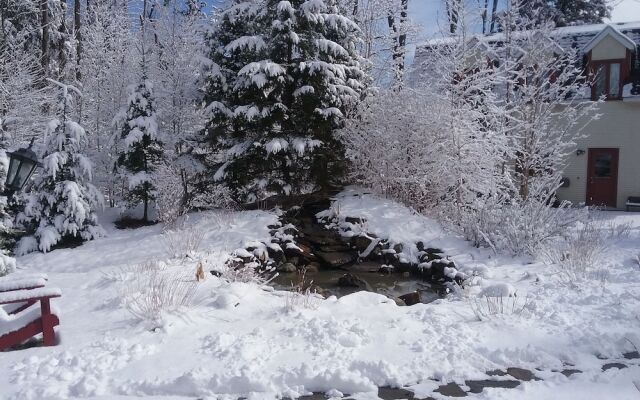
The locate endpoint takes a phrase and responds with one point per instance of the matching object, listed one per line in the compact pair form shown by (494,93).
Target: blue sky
(430,13)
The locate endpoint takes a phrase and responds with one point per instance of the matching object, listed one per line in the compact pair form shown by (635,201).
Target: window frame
(596,65)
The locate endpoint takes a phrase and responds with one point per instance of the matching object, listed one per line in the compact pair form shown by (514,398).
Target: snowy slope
(241,340)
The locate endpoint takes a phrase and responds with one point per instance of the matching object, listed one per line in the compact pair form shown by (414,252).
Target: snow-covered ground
(240,339)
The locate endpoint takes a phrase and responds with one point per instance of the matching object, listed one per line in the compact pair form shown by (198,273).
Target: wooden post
(48,335)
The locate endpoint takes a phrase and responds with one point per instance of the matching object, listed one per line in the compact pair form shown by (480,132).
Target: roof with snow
(609,30)
(582,37)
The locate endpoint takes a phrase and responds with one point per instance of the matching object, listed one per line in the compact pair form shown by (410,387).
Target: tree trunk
(453,7)
(493,16)
(145,215)
(2,18)
(44,23)
(62,57)
(78,36)
(485,16)
(398,30)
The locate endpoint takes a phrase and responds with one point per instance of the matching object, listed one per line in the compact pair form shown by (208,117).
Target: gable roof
(625,40)
(568,37)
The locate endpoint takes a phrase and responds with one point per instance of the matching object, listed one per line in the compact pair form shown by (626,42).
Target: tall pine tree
(140,142)
(63,203)
(566,12)
(282,77)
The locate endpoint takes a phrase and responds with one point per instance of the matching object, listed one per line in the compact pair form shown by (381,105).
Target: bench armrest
(7,285)
(18,296)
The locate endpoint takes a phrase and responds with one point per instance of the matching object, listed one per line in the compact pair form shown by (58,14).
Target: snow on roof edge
(625,40)
(562,31)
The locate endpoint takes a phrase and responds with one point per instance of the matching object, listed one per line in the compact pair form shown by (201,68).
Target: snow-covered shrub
(302,293)
(152,290)
(517,227)
(251,272)
(183,239)
(7,264)
(63,202)
(619,231)
(579,256)
(498,300)
(170,205)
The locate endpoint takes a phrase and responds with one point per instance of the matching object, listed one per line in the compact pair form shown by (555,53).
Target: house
(605,168)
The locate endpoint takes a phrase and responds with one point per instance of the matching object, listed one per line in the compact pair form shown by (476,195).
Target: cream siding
(618,127)
(608,48)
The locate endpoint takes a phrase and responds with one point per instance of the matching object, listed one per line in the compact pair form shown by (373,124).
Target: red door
(602,177)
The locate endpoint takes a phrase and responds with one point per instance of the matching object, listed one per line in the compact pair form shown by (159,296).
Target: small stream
(329,264)
(326,282)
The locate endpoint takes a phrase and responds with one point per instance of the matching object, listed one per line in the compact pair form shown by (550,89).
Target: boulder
(275,254)
(424,256)
(335,260)
(355,220)
(361,243)
(334,249)
(313,267)
(353,281)
(398,248)
(386,269)
(411,298)
(295,260)
(365,266)
(399,301)
(287,267)
(319,236)
(299,250)
(521,374)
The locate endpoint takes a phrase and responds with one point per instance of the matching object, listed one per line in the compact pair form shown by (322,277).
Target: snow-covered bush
(302,293)
(169,202)
(499,300)
(248,273)
(63,202)
(182,239)
(516,226)
(7,264)
(151,291)
(580,255)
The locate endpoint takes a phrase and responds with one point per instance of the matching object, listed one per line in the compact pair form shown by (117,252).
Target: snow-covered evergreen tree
(142,149)
(140,146)
(62,204)
(566,12)
(283,75)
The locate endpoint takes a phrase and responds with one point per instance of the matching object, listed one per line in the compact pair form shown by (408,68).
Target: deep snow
(241,339)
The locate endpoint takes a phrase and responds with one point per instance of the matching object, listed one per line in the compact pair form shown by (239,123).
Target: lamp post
(22,164)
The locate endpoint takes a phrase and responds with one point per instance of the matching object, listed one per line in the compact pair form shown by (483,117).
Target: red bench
(20,319)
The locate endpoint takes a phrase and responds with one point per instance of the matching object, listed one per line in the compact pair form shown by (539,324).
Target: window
(602,165)
(607,80)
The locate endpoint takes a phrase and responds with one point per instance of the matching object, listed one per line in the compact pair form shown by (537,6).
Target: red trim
(590,172)
(625,72)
